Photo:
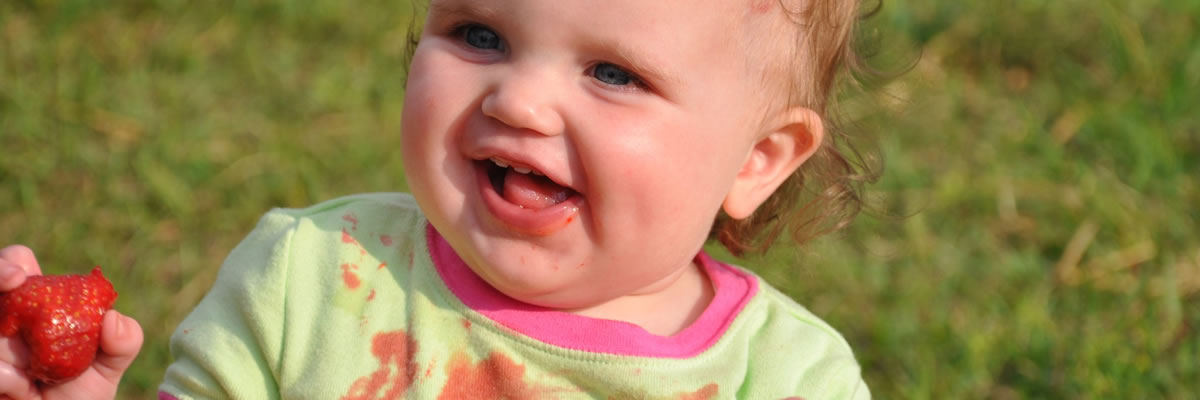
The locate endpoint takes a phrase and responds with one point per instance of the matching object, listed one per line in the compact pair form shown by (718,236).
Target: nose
(525,100)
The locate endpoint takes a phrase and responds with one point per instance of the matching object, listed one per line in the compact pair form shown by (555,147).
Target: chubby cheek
(433,104)
(666,185)
(418,119)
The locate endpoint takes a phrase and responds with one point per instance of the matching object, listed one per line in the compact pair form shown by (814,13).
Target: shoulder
(354,214)
(292,243)
(348,208)
(788,312)
(793,345)
(331,256)
(301,276)
(784,322)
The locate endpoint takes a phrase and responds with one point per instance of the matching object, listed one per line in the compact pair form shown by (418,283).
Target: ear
(796,136)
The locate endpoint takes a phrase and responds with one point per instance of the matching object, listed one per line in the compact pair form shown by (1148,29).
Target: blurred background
(1034,233)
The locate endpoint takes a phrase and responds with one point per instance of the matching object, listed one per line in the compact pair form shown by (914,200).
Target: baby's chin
(533,280)
(565,298)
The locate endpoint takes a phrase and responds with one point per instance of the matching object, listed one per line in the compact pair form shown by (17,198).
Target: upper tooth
(502,164)
(522,170)
(538,173)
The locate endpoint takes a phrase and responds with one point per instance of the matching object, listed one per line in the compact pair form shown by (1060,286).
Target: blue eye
(613,75)
(481,37)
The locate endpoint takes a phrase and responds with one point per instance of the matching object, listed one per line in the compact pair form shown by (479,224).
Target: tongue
(533,192)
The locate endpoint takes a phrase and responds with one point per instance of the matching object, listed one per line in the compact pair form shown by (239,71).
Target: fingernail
(120,322)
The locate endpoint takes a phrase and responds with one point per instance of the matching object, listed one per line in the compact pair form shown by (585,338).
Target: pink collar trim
(733,289)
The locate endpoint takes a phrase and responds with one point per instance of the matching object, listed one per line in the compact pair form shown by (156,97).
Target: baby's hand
(120,341)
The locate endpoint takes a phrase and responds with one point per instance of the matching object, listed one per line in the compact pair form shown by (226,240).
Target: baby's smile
(524,198)
(525,187)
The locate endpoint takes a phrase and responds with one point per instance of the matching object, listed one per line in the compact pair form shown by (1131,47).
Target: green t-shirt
(360,298)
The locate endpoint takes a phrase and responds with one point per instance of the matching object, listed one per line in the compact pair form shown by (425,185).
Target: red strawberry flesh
(59,318)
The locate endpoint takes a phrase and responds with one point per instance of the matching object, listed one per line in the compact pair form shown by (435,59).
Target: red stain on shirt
(348,239)
(395,351)
(497,377)
(466,323)
(349,277)
(386,240)
(382,265)
(353,220)
(429,369)
(707,392)
(371,296)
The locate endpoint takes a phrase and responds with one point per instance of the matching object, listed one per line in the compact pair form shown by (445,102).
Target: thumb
(120,341)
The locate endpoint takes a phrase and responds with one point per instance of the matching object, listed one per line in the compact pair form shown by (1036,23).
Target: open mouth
(524,187)
(524,199)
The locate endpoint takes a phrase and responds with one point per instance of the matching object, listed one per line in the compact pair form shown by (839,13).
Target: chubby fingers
(13,352)
(120,342)
(14,358)
(11,275)
(14,384)
(16,262)
(22,256)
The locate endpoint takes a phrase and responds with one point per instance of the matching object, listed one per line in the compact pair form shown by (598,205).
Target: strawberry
(59,319)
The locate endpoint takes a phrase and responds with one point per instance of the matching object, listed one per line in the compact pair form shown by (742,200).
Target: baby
(568,160)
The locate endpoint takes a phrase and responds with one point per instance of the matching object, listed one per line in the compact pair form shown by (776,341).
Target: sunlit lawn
(1034,233)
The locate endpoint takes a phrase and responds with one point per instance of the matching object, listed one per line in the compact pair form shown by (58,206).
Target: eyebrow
(453,8)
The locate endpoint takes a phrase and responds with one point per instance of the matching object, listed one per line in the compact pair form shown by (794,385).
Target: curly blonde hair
(828,191)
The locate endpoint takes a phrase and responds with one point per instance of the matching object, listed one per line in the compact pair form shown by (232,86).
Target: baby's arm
(120,341)
(229,346)
(842,378)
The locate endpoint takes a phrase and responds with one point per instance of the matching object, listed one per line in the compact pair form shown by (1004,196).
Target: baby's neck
(664,308)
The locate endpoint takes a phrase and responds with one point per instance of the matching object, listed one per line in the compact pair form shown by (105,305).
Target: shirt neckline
(732,287)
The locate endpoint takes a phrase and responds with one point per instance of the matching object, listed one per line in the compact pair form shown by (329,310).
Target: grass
(1044,156)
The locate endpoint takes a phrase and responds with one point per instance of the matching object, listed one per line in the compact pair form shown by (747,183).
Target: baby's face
(573,152)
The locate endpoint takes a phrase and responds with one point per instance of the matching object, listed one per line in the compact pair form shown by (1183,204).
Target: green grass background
(1043,156)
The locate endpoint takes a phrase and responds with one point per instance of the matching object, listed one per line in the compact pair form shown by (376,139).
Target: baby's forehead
(761,36)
